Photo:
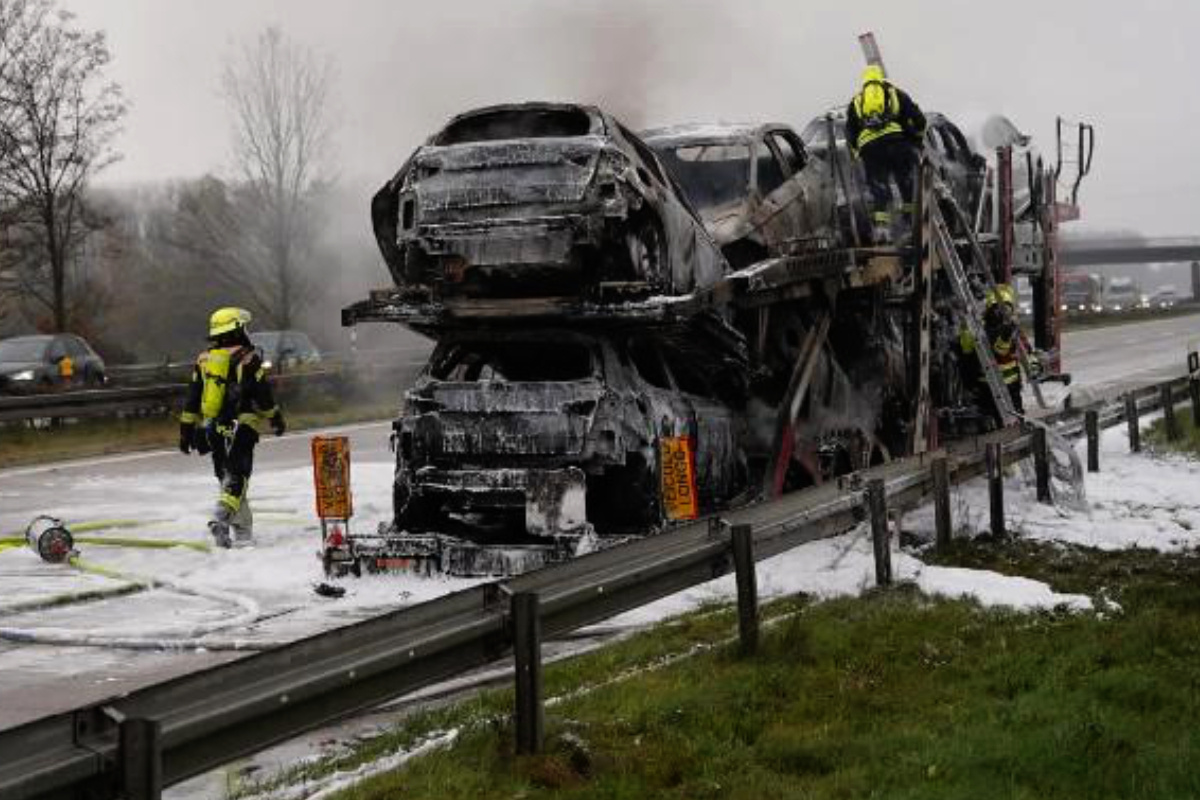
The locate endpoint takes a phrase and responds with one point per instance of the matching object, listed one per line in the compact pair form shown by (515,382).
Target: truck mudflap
(391,551)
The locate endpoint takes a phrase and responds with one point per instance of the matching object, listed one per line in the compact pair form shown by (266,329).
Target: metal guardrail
(132,745)
(161,398)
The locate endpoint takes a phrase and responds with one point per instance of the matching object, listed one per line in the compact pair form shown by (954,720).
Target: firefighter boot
(905,225)
(242,523)
(218,526)
(882,232)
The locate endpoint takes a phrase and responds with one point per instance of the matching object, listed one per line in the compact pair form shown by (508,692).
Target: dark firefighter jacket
(229,384)
(903,118)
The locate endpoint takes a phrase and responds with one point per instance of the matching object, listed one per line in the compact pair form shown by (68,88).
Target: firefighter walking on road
(228,402)
(886,129)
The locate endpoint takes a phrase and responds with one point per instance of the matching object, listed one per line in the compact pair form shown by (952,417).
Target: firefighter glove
(278,424)
(186,432)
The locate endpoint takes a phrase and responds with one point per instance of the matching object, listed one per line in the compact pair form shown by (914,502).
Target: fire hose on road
(55,544)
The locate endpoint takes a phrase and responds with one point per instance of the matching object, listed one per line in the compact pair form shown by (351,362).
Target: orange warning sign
(679,477)
(331,475)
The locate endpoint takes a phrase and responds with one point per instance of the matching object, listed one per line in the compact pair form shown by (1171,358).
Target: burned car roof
(706,132)
(535,200)
(507,121)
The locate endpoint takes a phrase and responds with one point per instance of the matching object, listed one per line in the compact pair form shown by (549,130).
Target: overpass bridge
(1099,252)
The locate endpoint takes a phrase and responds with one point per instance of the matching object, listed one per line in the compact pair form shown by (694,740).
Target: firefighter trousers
(890,158)
(233,461)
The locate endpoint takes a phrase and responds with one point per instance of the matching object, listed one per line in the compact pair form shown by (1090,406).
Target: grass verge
(893,694)
(23,446)
(1188,443)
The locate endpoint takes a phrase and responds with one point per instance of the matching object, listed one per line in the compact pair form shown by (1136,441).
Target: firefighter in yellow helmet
(228,402)
(886,129)
(1006,339)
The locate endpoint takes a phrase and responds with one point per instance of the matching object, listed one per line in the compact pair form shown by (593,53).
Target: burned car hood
(489,174)
(13,367)
(494,418)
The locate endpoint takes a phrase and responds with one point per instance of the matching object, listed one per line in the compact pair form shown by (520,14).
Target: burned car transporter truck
(601,371)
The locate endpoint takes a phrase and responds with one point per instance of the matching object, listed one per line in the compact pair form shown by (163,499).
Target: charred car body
(519,447)
(753,185)
(535,200)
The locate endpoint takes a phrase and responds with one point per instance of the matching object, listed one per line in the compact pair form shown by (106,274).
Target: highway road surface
(169,494)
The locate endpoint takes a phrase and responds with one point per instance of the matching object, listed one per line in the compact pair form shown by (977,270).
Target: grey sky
(403,67)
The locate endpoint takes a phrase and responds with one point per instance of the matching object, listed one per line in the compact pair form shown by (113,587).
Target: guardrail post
(1194,393)
(527,652)
(994,459)
(1131,419)
(877,506)
(1041,465)
(747,587)
(940,472)
(141,759)
(1091,425)
(1170,422)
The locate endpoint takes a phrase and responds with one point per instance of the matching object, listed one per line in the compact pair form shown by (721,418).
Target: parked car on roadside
(50,362)
(753,186)
(285,350)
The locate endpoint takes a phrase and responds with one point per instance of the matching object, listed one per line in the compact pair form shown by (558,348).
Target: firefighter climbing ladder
(973,316)
(946,196)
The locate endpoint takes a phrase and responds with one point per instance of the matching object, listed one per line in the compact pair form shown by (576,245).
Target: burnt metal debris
(632,332)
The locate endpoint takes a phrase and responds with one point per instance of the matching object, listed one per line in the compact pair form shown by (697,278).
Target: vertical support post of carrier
(1091,426)
(877,507)
(747,587)
(1041,464)
(994,461)
(940,473)
(527,652)
(1194,393)
(141,758)
(1193,363)
(1170,421)
(1131,419)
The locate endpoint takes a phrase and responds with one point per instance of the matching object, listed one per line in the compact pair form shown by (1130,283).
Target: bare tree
(277,92)
(60,116)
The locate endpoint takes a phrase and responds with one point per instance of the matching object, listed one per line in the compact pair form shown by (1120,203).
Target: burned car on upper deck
(961,168)
(523,445)
(539,200)
(753,185)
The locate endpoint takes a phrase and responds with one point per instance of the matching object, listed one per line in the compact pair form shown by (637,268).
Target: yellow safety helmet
(1002,293)
(226,320)
(873,73)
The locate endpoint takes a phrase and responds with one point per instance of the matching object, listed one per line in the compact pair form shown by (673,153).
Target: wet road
(130,486)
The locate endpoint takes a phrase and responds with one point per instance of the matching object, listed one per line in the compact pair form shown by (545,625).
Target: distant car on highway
(286,350)
(43,363)
(1163,298)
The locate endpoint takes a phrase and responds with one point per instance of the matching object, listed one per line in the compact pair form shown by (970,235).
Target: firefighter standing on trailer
(886,129)
(228,400)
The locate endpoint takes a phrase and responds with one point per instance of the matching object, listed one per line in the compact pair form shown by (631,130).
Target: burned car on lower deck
(753,186)
(538,200)
(517,448)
